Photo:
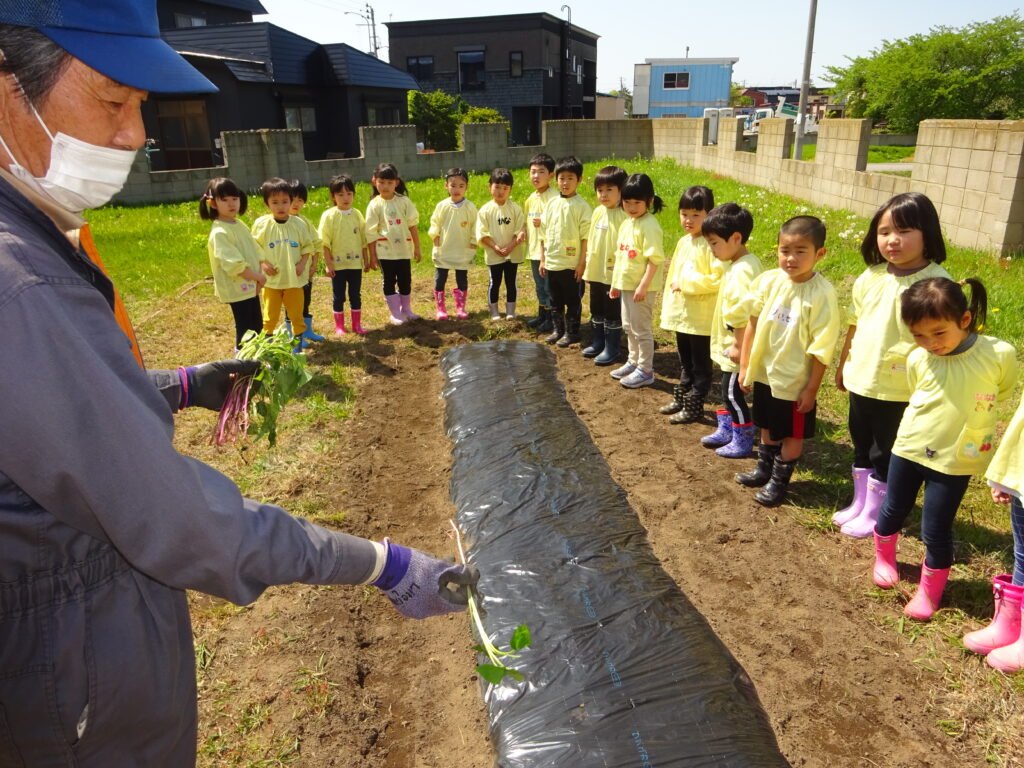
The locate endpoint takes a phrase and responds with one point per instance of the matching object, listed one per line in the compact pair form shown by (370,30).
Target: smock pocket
(892,371)
(974,446)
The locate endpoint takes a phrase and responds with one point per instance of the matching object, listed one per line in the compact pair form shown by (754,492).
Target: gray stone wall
(972,170)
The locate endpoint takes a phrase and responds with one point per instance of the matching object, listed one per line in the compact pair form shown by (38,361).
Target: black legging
(506,271)
(604,309)
(353,278)
(565,292)
(441,278)
(873,426)
(248,317)
(734,398)
(694,362)
(396,272)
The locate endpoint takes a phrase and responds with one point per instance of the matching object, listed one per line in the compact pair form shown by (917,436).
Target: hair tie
(962,283)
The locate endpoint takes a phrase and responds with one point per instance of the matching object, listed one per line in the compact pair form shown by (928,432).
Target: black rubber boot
(546,323)
(761,473)
(557,327)
(774,493)
(676,404)
(572,331)
(693,409)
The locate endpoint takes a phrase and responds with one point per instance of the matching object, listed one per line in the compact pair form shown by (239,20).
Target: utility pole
(371,28)
(373,32)
(805,85)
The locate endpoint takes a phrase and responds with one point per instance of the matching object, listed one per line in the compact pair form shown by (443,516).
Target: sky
(767,37)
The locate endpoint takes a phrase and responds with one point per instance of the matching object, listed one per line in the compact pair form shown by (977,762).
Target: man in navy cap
(103,525)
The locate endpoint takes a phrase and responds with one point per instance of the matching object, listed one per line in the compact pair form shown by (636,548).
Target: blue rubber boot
(596,346)
(612,346)
(722,435)
(309,334)
(741,445)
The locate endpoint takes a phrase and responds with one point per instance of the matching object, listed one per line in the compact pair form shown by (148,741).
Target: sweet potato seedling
(496,671)
(255,402)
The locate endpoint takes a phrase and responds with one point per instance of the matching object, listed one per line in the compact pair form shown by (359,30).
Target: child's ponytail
(939,298)
(220,187)
(978,306)
(656,205)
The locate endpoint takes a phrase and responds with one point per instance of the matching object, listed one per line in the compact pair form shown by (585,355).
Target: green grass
(875,154)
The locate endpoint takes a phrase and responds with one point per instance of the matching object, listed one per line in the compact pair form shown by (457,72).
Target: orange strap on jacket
(120,313)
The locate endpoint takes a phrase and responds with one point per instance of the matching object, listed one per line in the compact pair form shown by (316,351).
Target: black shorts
(780,417)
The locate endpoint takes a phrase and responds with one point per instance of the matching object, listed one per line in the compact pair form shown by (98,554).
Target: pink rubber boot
(395,308)
(460,304)
(885,574)
(860,492)
(339,324)
(1009,658)
(1005,626)
(357,325)
(929,593)
(405,302)
(442,310)
(863,525)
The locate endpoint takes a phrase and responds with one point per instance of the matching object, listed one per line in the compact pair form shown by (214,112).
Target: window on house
(471,70)
(184,20)
(677,80)
(420,67)
(303,118)
(184,134)
(383,114)
(515,64)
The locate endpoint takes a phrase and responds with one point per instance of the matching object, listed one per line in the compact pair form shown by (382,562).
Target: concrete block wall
(972,170)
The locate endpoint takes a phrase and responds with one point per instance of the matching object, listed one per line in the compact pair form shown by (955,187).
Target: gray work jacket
(103,525)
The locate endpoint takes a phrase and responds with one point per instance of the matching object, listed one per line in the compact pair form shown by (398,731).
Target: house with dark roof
(268,78)
(529,66)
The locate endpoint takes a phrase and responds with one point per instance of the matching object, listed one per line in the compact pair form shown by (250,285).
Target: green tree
(437,116)
(737,98)
(976,72)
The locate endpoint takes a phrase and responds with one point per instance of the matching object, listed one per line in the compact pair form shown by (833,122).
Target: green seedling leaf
(492,673)
(520,638)
(515,674)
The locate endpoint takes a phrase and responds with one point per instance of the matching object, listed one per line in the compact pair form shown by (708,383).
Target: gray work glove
(419,585)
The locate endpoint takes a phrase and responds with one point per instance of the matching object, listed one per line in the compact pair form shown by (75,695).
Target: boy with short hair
(726,230)
(541,168)
(794,326)
(563,252)
(287,248)
(299,197)
(501,230)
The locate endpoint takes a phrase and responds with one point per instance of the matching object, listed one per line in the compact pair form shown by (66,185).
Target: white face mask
(81,175)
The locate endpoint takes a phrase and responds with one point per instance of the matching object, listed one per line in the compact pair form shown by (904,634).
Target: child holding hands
(501,230)
(793,330)
(343,233)
(688,305)
(453,230)
(234,255)
(956,377)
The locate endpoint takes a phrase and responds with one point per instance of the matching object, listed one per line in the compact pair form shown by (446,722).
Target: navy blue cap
(118,38)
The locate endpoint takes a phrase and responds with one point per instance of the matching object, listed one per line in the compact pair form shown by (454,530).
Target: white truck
(782,109)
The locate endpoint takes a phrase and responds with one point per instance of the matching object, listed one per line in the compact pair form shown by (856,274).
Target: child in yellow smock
(947,433)
(343,234)
(501,230)
(605,313)
(453,231)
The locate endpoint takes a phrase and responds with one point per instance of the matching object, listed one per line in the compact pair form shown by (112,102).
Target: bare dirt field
(317,676)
